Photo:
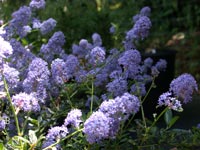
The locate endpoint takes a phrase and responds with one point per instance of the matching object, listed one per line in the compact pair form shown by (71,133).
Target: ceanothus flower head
(97,127)
(20,18)
(26,102)
(118,86)
(166,99)
(145,11)
(73,118)
(53,47)
(120,107)
(97,55)
(5,48)
(130,57)
(59,71)
(3,121)
(11,75)
(36,24)
(25,30)
(96,38)
(161,65)
(37,79)
(140,29)
(47,26)
(37,4)
(57,132)
(183,87)
(72,64)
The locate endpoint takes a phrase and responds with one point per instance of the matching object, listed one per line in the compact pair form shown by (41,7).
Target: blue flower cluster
(105,122)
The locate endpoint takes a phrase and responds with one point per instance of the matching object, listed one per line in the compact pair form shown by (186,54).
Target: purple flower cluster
(140,30)
(173,103)
(54,134)
(73,118)
(20,18)
(53,47)
(96,39)
(105,122)
(11,75)
(37,4)
(26,102)
(5,48)
(97,55)
(37,79)
(59,72)
(183,87)
(130,61)
(47,26)
(97,127)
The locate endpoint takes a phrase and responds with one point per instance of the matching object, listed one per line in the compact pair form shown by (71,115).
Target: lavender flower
(145,11)
(11,75)
(37,4)
(117,87)
(21,58)
(130,61)
(161,65)
(20,19)
(96,38)
(47,26)
(120,106)
(97,55)
(141,28)
(25,30)
(53,47)
(36,24)
(54,134)
(112,29)
(26,102)
(183,87)
(5,48)
(166,99)
(37,79)
(59,71)
(97,127)
(2,124)
(73,118)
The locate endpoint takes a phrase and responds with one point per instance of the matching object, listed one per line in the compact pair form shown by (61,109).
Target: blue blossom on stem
(37,4)
(47,26)
(5,48)
(161,65)
(37,79)
(54,134)
(138,89)
(145,11)
(97,127)
(130,61)
(73,118)
(173,103)
(26,102)
(59,72)
(11,75)
(97,55)
(117,87)
(96,38)
(53,47)
(20,18)
(36,24)
(2,124)
(183,87)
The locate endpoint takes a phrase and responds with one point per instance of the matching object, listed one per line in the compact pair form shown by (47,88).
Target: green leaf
(168,116)
(173,121)
(1,146)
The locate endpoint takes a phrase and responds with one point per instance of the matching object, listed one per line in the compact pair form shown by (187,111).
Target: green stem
(151,86)
(11,106)
(25,123)
(57,142)
(157,118)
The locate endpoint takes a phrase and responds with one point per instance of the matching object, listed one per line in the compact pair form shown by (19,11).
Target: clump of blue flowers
(51,99)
